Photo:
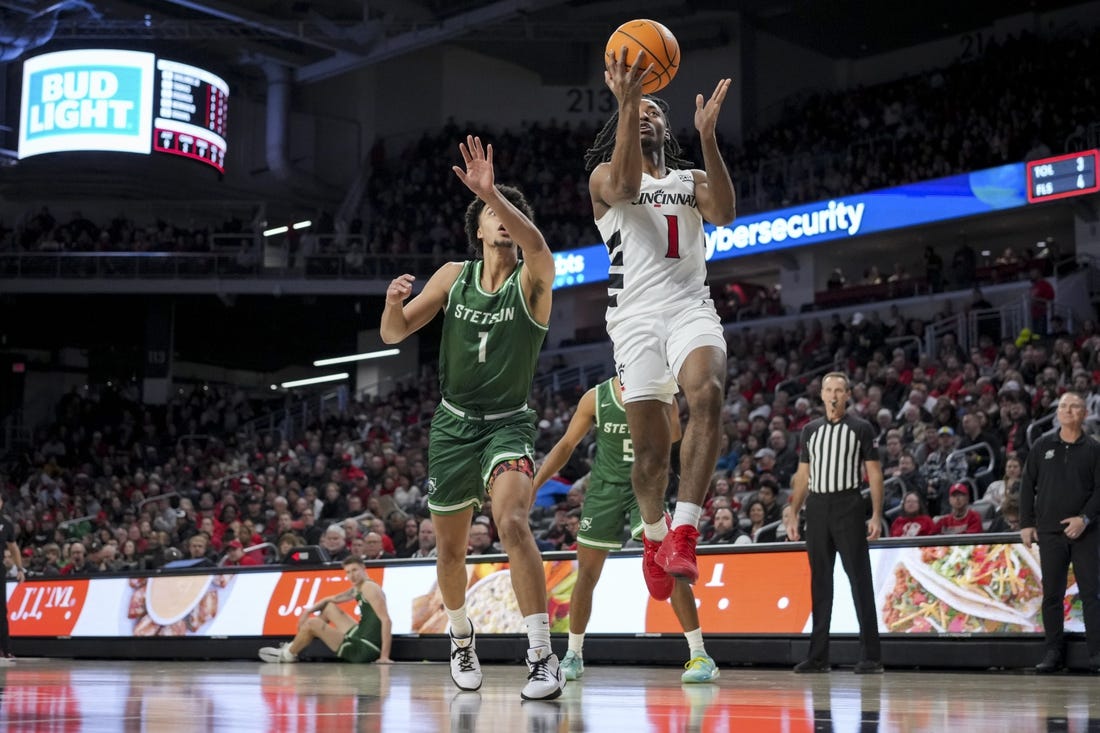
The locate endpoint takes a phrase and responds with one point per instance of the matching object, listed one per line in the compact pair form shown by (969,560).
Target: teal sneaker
(572,665)
(700,669)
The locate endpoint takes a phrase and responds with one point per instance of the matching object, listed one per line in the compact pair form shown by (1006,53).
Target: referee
(835,451)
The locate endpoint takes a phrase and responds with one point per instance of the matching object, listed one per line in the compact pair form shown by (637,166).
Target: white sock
(695,643)
(538,630)
(655,532)
(576,643)
(686,513)
(460,624)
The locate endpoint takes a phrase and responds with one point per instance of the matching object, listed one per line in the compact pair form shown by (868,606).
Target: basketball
(660,47)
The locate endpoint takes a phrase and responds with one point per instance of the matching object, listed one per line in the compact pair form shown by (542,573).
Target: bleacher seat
(986,510)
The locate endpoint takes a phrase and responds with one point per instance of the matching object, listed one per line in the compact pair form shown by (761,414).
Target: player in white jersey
(649,206)
(656,244)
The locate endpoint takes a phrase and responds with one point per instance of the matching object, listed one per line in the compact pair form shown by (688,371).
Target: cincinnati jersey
(614,449)
(490,344)
(656,247)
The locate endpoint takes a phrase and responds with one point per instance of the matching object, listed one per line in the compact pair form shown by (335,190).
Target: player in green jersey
(367,640)
(608,499)
(495,314)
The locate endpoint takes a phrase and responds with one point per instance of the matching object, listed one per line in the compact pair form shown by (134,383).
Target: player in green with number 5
(495,314)
(608,500)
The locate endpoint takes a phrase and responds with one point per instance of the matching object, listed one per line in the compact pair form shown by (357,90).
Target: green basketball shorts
(463,451)
(358,648)
(606,504)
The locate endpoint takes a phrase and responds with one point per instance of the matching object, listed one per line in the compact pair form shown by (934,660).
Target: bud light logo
(86,100)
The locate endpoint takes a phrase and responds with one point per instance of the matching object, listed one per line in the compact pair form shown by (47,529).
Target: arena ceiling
(323,38)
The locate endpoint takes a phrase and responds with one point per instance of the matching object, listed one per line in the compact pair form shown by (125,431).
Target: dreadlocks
(601,149)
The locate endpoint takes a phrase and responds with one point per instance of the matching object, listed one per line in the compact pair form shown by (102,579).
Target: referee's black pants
(837,523)
(1056,552)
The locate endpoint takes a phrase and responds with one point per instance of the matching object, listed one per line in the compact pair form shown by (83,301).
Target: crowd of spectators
(115,485)
(1023,98)
(1015,101)
(44,230)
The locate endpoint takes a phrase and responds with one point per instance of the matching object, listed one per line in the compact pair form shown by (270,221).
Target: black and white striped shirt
(836,452)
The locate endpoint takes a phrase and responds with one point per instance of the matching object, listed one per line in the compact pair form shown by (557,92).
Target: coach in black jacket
(1059,503)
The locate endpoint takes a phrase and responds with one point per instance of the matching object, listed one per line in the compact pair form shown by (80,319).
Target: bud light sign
(95,99)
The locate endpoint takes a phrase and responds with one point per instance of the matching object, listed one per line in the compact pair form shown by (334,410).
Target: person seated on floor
(367,640)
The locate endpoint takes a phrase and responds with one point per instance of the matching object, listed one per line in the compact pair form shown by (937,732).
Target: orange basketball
(660,46)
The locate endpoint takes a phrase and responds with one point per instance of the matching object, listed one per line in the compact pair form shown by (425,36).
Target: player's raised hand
(706,113)
(400,288)
(478,175)
(624,81)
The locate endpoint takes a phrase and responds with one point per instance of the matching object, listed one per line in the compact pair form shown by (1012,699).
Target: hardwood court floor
(63,695)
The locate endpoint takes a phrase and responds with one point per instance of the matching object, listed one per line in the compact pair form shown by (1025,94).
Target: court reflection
(62,696)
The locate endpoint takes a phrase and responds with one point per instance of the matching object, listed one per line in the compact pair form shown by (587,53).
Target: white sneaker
(465,668)
(545,680)
(278,655)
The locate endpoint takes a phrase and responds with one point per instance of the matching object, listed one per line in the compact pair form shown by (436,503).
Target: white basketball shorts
(651,348)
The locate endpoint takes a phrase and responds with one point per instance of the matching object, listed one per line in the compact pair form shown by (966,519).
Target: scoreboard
(191,110)
(1073,174)
(122,101)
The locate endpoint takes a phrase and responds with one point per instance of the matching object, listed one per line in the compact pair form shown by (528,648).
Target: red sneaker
(658,582)
(677,553)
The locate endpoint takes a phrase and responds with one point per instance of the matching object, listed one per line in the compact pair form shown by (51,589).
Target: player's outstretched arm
(621,179)
(400,319)
(582,421)
(538,262)
(714,192)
